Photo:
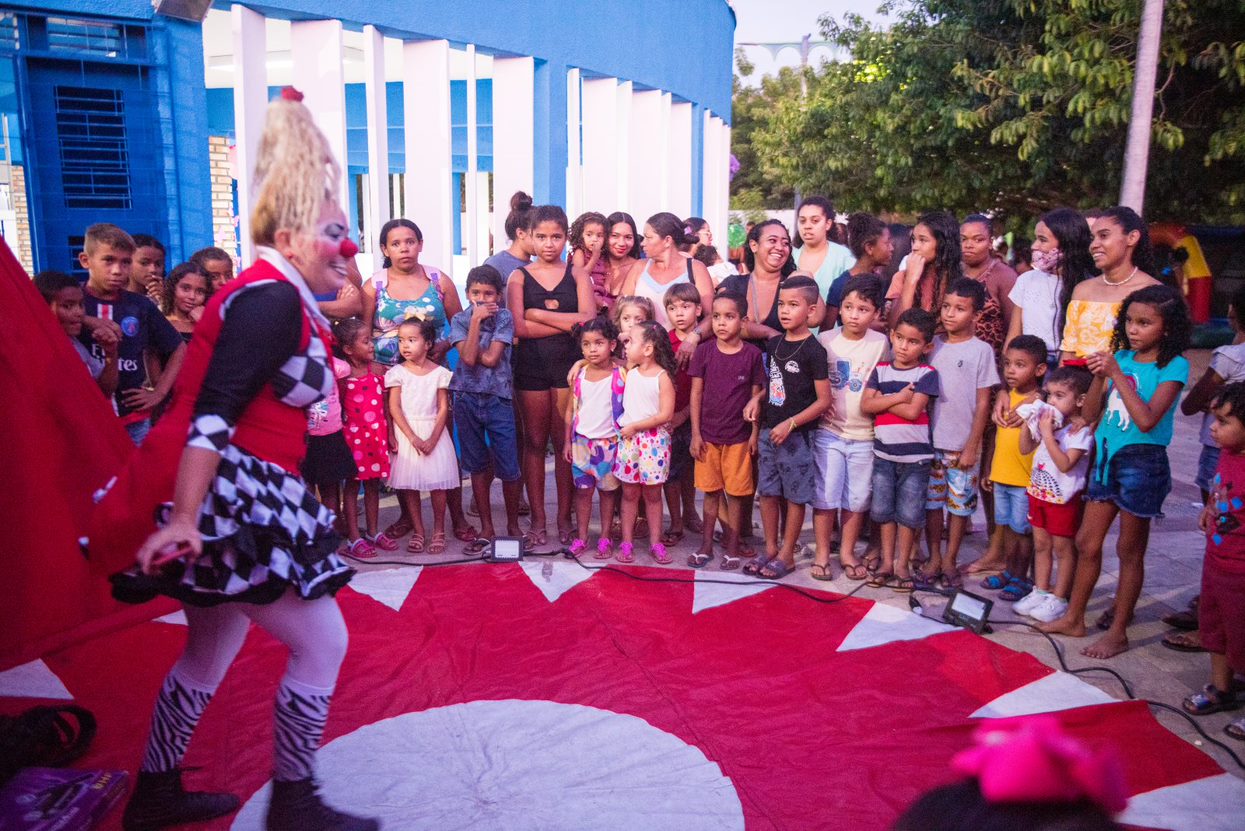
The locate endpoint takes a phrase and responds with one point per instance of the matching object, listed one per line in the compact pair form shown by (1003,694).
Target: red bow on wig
(1034,760)
(291,94)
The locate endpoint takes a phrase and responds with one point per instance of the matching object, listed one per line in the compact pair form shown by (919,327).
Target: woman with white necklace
(1121,250)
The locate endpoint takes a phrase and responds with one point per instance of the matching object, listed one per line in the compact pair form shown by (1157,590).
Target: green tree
(752,189)
(1015,106)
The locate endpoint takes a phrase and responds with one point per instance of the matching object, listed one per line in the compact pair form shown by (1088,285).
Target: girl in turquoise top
(1133,398)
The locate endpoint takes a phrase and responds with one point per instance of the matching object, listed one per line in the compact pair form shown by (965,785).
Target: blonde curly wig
(295,172)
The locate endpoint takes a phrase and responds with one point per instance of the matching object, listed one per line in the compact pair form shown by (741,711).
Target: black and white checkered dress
(263,529)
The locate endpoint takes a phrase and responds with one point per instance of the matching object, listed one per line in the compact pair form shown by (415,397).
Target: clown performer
(214,506)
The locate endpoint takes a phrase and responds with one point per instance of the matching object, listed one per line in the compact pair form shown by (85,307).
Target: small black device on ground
(505,550)
(968,610)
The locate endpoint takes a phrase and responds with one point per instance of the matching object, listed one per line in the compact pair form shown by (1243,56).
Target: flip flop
(730,562)
(757,563)
(903,585)
(698,560)
(1184,641)
(465,533)
(825,576)
(1236,729)
(534,538)
(879,578)
(996,581)
(478,546)
(672,537)
(775,569)
(855,571)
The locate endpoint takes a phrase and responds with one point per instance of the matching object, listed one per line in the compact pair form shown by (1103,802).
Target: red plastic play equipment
(1198,282)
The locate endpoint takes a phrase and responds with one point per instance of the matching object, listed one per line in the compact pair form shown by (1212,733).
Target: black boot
(296,806)
(159,801)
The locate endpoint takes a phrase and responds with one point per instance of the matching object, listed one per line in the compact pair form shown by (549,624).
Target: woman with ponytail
(519,253)
(212,506)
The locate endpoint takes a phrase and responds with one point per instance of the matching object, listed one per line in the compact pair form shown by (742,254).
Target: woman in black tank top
(547,298)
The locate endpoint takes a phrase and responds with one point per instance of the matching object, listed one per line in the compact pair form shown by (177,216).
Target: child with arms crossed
(898,395)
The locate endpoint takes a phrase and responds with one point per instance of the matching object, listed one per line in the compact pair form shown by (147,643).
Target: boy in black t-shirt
(108,257)
(798,393)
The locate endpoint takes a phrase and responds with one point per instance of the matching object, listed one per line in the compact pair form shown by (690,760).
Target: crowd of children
(889,423)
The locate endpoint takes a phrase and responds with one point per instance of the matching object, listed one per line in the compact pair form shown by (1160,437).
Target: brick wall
(224,234)
(17,188)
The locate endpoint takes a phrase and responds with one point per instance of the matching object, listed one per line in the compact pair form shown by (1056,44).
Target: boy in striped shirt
(898,394)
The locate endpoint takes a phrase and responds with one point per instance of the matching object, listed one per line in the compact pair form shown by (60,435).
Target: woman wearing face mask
(212,505)
(1061,261)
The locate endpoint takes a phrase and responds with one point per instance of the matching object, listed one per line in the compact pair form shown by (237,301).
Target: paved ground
(1173,574)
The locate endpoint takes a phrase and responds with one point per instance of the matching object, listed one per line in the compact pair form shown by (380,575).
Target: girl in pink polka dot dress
(367,437)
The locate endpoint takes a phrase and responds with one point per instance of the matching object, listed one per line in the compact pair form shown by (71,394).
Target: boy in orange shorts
(726,373)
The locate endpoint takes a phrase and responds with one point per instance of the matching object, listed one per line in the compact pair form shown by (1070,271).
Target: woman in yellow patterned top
(1121,250)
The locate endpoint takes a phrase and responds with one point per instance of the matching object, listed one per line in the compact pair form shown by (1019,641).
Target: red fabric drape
(60,442)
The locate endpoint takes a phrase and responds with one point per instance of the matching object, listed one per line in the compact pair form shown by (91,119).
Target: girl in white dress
(419,406)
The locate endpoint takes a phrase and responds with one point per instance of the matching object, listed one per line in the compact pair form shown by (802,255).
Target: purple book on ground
(59,799)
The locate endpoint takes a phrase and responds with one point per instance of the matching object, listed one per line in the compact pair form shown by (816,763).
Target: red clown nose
(348,248)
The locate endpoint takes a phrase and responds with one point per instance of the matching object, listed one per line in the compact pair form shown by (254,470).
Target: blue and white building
(112,111)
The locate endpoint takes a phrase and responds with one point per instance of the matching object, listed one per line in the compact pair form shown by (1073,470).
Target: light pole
(1137,152)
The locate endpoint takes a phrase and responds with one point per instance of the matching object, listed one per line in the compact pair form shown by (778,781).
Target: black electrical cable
(760,582)
(1058,650)
(1128,689)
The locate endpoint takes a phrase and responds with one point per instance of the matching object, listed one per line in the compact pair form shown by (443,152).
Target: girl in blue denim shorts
(1134,392)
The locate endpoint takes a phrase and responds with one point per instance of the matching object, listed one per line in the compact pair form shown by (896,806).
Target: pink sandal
(626,553)
(360,549)
(577,545)
(382,543)
(605,549)
(659,553)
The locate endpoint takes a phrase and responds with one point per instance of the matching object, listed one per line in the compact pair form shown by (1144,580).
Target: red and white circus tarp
(501,697)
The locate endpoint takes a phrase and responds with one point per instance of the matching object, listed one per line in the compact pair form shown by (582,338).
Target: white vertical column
(663,158)
(717,190)
(250,99)
(623,155)
(514,138)
(574,167)
(396,190)
(724,142)
(316,50)
(679,155)
(709,170)
(471,189)
(376,211)
(429,169)
(647,154)
(601,130)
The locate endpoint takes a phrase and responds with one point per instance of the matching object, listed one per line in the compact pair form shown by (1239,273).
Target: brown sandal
(415,544)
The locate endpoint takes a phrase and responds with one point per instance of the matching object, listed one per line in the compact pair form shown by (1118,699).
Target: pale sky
(771,21)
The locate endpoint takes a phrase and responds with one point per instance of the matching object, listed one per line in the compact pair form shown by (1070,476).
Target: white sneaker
(1050,609)
(1026,604)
